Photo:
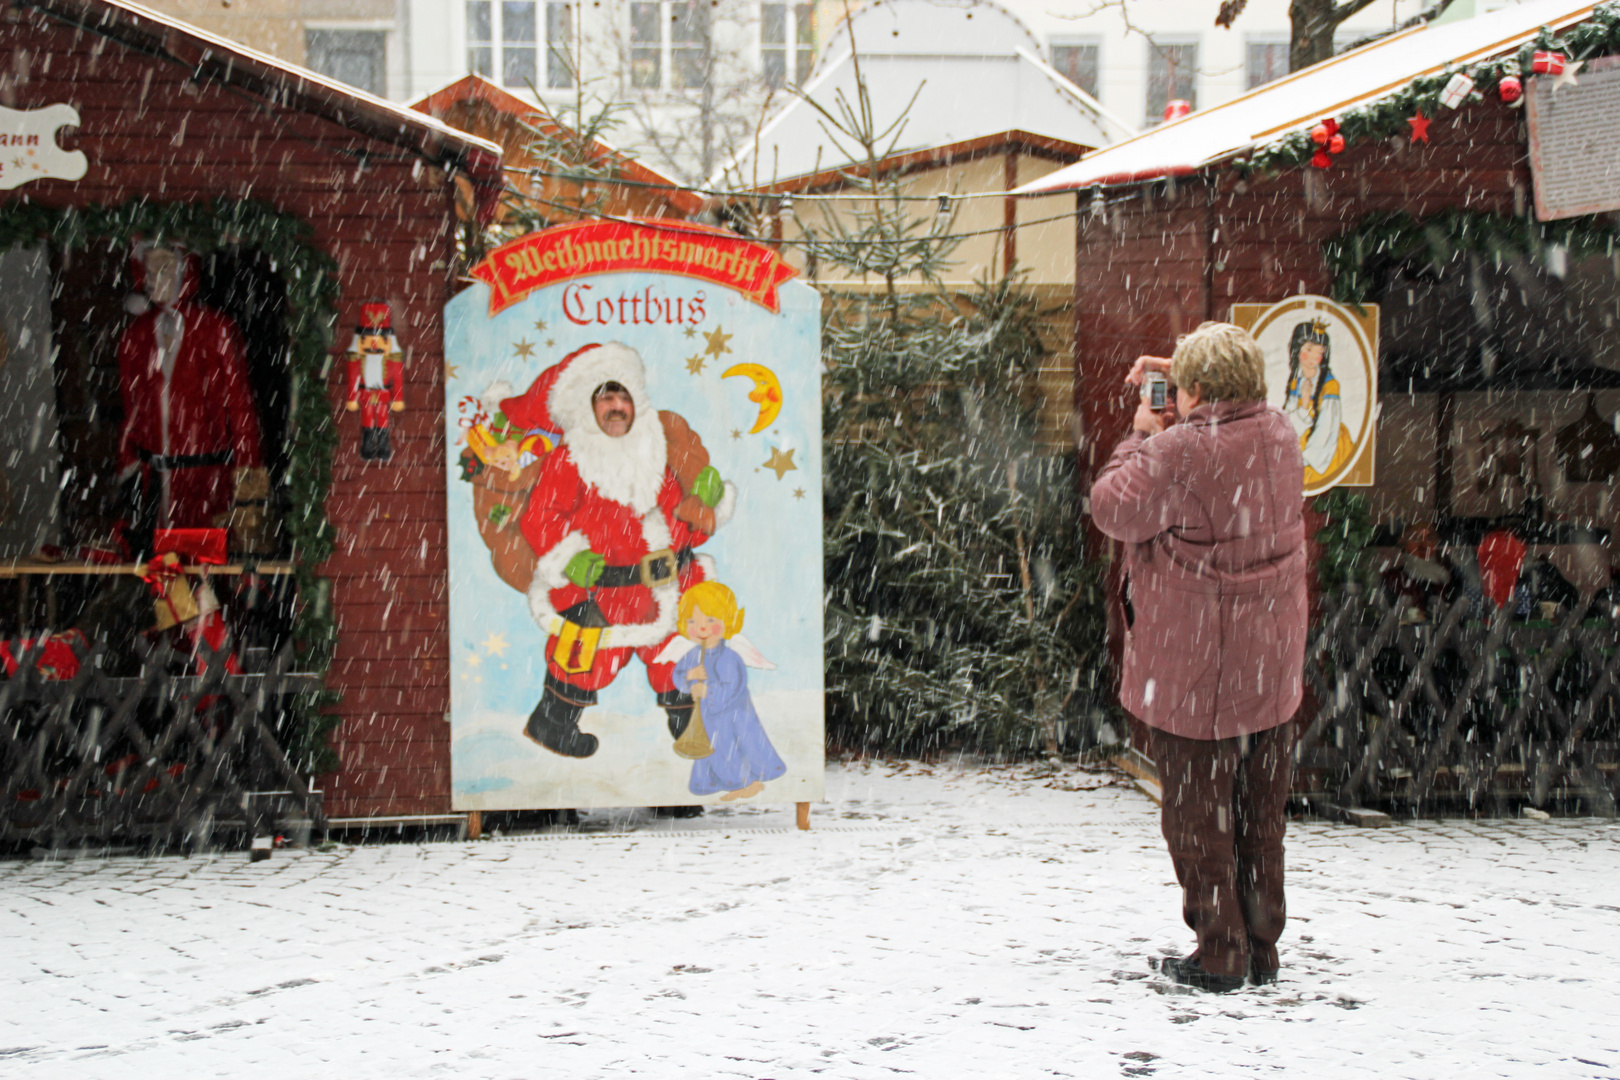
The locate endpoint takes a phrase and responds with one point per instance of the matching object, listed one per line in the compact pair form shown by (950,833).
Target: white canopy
(1301,100)
(979,71)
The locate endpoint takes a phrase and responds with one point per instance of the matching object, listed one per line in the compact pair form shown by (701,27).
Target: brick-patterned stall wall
(150,132)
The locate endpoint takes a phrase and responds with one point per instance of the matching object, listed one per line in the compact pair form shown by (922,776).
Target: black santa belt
(171,462)
(652,570)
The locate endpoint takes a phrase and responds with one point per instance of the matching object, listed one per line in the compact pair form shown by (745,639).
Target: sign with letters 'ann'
(633,421)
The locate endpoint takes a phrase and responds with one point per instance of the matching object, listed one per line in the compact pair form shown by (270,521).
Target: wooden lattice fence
(1462,712)
(157,758)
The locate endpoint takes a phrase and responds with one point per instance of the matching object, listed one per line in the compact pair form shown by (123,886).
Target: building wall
(391,230)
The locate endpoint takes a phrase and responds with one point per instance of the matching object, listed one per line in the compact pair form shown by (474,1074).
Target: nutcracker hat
(560,399)
(375,318)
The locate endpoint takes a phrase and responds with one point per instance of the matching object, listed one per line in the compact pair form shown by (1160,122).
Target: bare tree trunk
(1313,23)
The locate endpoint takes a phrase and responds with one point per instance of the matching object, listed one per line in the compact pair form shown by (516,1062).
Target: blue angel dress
(742,751)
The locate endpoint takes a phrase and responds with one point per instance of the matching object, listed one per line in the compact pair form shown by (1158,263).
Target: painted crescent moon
(767,392)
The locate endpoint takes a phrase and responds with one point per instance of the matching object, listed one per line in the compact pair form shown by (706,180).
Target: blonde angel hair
(1223,361)
(714,600)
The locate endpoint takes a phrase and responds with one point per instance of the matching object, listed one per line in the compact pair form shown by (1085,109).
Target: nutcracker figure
(376,379)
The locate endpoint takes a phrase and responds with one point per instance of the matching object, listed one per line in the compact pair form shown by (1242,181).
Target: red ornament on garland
(1547,63)
(1420,128)
(1321,159)
(1336,144)
(1510,89)
(1326,136)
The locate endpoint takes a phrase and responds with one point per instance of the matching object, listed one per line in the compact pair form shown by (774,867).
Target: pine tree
(960,610)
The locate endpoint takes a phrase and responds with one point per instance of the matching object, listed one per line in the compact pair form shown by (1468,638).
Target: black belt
(169,462)
(655,569)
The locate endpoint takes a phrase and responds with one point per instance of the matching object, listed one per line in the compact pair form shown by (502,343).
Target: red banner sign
(514,270)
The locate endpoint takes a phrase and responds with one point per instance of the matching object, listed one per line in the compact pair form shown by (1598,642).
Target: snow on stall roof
(307,91)
(1376,70)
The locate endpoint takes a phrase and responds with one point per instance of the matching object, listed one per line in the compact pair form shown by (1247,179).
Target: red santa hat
(137,302)
(560,399)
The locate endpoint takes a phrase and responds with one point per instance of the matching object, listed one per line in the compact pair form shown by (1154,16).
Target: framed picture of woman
(1322,372)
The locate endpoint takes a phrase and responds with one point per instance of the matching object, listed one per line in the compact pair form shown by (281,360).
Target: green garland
(1385,239)
(312,290)
(1387,116)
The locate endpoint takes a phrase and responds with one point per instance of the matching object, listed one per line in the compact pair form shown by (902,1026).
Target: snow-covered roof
(979,70)
(1301,100)
(230,62)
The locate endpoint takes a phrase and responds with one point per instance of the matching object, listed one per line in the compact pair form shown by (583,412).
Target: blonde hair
(714,600)
(1223,361)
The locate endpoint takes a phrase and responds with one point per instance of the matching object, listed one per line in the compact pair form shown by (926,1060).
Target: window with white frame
(503,36)
(671,44)
(1077,61)
(787,46)
(1172,76)
(1265,59)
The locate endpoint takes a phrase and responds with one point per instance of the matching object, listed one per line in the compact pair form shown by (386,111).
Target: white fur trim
(570,399)
(548,575)
(627,469)
(706,564)
(495,393)
(137,303)
(727,505)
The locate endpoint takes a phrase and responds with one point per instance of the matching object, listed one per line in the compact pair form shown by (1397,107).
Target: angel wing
(679,646)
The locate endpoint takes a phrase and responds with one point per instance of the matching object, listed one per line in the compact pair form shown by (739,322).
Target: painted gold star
(690,331)
(452,371)
(798,493)
(525,349)
(473,659)
(717,339)
(694,364)
(736,433)
(551,343)
(495,644)
(781,463)
(540,325)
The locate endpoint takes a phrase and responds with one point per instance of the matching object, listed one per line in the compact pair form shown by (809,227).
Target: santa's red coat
(561,506)
(210,408)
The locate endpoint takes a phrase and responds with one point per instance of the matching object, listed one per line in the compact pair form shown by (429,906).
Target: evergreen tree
(960,610)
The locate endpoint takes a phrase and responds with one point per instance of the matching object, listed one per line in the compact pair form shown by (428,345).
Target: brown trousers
(1223,820)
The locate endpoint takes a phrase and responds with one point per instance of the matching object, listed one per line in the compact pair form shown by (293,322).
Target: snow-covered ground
(936,922)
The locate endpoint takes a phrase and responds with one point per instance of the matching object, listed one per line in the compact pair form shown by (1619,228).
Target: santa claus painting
(614,518)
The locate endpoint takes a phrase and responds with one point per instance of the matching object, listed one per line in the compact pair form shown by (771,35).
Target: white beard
(628,468)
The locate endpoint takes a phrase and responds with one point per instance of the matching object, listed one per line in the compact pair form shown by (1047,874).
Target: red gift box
(1547,63)
(59,660)
(198,545)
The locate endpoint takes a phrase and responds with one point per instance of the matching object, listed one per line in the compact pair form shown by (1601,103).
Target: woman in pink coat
(1210,514)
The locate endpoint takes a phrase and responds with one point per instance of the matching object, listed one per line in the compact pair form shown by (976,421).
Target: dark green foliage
(960,610)
(1346,530)
(312,292)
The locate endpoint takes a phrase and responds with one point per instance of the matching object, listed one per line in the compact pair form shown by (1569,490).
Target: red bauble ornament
(1336,144)
(1319,134)
(1510,89)
(1321,159)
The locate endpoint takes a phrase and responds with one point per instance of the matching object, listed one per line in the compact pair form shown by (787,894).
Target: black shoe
(554,724)
(1185,971)
(1259,976)
(678,707)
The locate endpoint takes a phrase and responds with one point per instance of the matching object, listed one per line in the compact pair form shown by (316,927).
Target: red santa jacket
(564,517)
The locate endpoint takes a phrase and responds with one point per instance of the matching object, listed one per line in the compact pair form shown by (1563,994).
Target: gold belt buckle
(658,568)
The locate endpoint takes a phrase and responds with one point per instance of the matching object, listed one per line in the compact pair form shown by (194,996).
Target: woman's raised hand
(1145,364)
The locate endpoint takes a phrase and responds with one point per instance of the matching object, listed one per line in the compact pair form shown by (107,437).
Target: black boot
(678,707)
(1186,971)
(554,724)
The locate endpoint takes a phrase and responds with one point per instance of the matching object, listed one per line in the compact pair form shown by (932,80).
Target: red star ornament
(1420,128)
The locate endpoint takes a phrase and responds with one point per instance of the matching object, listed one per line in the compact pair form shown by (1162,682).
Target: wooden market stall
(1475,664)
(192,234)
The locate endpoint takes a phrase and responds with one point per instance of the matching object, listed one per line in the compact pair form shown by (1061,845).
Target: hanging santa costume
(616,497)
(189,421)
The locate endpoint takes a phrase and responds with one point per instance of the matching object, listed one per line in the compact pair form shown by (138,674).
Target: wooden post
(475,824)
(803,816)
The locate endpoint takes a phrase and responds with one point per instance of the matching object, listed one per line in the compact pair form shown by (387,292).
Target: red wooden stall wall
(151,132)
(1167,260)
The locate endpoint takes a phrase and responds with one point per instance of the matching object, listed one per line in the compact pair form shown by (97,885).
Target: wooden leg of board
(475,824)
(804,816)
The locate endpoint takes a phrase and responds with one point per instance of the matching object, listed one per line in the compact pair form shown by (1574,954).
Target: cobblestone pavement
(936,922)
